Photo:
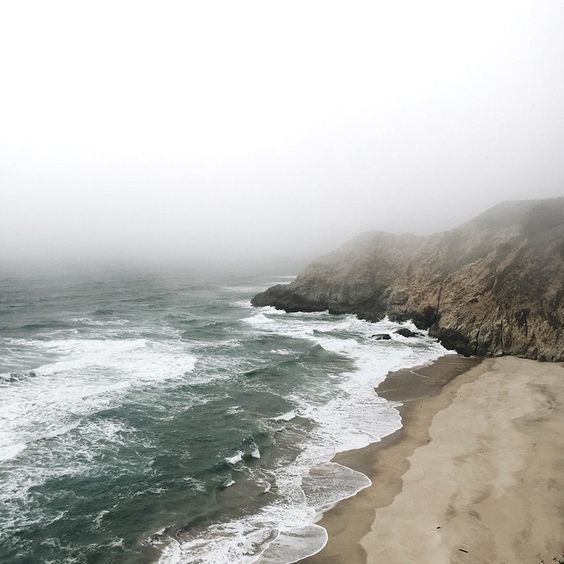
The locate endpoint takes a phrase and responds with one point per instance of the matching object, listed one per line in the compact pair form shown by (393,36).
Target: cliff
(493,286)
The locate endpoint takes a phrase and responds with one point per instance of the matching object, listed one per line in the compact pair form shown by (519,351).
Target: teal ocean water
(159,418)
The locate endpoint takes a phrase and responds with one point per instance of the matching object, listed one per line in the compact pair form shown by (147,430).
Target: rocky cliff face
(490,287)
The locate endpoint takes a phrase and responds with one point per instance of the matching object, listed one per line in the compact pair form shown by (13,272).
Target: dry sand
(476,475)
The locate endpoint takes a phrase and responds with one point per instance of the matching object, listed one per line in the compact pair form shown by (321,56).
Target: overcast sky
(174,131)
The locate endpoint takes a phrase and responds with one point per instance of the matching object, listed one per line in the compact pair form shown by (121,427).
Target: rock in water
(405,332)
(381,337)
(493,286)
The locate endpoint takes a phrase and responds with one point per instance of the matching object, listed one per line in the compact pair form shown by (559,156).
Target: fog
(262,132)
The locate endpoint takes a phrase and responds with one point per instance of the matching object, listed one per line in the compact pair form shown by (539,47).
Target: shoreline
(405,387)
(418,506)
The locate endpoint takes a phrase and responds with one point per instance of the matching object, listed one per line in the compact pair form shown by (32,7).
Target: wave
(280,535)
(262,405)
(351,417)
(13,377)
(103,312)
(88,321)
(49,423)
(7,452)
(245,304)
(249,448)
(50,324)
(235,459)
(294,545)
(288,416)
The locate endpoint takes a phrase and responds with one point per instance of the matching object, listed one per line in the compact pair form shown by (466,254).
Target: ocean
(162,418)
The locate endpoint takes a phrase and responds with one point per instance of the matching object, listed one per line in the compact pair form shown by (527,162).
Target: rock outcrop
(493,286)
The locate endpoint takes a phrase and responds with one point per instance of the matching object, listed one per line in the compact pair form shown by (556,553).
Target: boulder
(405,332)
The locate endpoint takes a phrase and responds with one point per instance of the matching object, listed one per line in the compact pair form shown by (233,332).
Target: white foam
(99,517)
(327,483)
(288,416)
(259,319)
(293,545)
(272,310)
(245,304)
(353,417)
(100,323)
(89,375)
(235,459)
(46,421)
(10,451)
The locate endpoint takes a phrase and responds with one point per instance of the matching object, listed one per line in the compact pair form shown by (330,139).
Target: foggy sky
(223,131)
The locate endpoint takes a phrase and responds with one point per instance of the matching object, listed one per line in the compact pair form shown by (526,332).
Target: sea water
(161,418)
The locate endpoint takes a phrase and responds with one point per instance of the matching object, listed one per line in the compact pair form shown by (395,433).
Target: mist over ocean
(157,418)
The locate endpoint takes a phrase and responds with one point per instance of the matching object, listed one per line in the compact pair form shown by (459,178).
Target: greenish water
(154,418)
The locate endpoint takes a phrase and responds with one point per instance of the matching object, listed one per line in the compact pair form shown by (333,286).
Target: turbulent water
(162,419)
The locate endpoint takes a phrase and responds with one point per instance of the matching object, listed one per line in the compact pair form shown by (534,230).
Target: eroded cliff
(493,286)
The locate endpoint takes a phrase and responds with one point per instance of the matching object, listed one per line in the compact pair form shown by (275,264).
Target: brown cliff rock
(493,286)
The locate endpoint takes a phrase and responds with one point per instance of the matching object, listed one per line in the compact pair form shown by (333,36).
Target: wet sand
(475,475)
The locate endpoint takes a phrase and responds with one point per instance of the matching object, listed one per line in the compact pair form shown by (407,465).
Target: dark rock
(405,332)
(493,286)
(381,337)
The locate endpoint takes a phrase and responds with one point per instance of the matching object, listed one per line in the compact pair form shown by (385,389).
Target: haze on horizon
(218,132)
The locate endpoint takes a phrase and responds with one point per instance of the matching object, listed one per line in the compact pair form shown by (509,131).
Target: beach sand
(475,475)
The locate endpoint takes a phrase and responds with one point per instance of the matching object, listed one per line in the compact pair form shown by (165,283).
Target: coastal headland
(493,286)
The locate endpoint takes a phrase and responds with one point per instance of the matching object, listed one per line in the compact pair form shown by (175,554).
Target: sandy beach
(475,475)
